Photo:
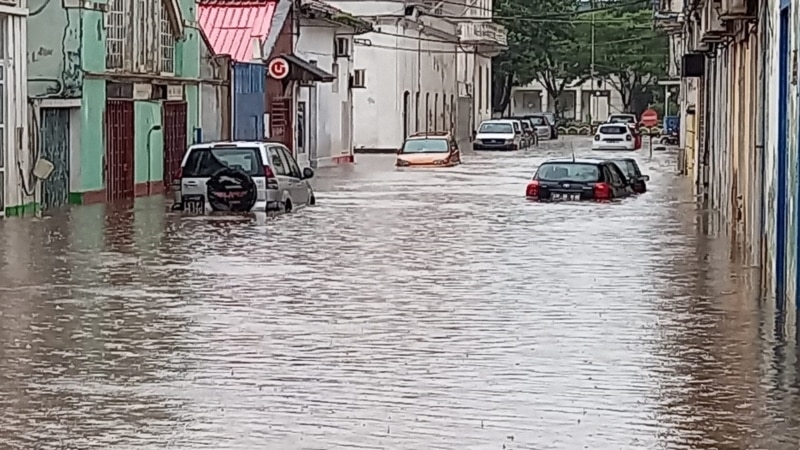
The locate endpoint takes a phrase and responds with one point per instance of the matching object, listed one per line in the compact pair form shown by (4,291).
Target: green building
(113,96)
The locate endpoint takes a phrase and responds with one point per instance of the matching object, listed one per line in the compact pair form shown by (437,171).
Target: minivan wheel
(287,206)
(312,200)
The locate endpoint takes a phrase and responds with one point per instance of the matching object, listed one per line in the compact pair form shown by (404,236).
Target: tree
(539,48)
(630,54)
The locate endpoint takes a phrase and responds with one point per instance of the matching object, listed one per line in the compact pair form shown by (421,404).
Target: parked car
(498,134)
(528,131)
(429,149)
(578,179)
(553,121)
(632,122)
(242,177)
(613,136)
(542,126)
(630,168)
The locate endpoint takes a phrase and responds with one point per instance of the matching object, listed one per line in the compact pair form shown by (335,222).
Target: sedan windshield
(538,121)
(575,172)
(622,119)
(496,127)
(426,146)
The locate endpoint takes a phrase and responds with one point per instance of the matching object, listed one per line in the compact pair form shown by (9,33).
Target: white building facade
(324,111)
(582,102)
(14,187)
(411,67)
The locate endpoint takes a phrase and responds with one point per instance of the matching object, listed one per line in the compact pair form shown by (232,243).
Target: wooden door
(119,170)
(175,140)
(55,140)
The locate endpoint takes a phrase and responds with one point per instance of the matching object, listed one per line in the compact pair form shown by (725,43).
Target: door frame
(784,25)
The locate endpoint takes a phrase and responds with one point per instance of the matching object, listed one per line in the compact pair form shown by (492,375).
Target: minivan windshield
(205,162)
(496,127)
(568,171)
(622,119)
(537,120)
(426,146)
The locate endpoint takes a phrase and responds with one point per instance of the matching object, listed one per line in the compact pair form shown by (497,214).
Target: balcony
(667,17)
(491,37)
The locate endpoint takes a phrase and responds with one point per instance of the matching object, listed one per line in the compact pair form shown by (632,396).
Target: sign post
(278,68)
(650,119)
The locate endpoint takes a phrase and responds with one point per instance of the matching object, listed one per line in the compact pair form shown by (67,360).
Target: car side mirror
(399,151)
(645,177)
(518,132)
(308,173)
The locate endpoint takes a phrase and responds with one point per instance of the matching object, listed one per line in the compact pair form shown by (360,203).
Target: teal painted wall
(54,57)
(147,114)
(188,66)
(93,105)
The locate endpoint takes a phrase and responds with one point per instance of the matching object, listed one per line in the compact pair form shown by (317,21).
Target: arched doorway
(406,108)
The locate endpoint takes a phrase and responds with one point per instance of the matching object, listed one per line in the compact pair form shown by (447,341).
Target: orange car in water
(429,149)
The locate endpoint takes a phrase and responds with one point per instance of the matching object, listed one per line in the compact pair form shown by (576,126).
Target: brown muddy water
(410,310)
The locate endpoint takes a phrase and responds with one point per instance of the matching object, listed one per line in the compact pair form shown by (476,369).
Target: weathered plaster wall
(93,102)
(55,56)
(148,160)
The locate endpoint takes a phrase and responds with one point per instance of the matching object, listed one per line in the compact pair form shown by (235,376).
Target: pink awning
(233,25)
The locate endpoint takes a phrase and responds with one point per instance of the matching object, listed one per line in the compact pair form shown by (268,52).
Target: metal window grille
(167,41)
(116,33)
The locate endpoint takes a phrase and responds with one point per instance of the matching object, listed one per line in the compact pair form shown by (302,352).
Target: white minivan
(614,136)
(241,177)
(498,134)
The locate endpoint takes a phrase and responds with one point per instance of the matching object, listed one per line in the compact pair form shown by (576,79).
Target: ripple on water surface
(432,309)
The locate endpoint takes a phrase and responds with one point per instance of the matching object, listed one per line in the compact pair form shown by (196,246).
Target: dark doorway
(406,107)
(175,139)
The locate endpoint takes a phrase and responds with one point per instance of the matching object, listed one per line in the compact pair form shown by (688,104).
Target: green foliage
(538,49)
(551,42)
(630,53)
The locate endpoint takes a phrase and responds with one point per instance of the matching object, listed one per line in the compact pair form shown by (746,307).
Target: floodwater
(410,310)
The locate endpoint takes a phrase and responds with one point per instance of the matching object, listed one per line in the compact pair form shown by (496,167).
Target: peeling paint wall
(54,57)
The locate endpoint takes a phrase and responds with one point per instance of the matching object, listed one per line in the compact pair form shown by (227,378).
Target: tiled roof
(232,26)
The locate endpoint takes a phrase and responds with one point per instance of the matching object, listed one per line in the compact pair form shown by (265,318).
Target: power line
(410,49)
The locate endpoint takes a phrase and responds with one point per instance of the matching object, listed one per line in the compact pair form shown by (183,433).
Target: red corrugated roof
(231,26)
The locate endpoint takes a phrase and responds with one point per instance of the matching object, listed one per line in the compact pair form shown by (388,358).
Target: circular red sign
(278,68)
(649,118)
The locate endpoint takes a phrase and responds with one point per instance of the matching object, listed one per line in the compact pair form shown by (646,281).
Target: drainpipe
(761,131)
(149,154)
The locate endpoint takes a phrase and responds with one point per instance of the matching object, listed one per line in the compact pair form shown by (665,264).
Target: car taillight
(533,189)
(596,137)
(602,191)
(268,173)
(628,137)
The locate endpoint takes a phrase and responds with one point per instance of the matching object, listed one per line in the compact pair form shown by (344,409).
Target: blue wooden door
(780,207)
(249,101)
(54,139)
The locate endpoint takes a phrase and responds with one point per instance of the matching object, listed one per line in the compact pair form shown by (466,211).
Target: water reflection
(411,309)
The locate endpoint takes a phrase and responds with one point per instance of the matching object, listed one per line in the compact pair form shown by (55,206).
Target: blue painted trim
(780,207)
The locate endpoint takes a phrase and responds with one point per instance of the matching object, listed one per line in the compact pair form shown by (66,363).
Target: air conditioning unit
(342,48)
(358,80)
(737,9)
(712,29)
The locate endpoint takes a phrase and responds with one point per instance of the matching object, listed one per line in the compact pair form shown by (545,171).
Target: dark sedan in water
(578,179)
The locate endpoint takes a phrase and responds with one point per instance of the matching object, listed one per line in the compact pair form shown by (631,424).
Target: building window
(453,112)
(416,112)
(428,111)
(167,41)
(444,112)
(301,127)
(436,112)
(116,33)
(479,91)
(487,102)
(335,72)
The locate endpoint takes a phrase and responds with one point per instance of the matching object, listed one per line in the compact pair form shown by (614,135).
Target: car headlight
(402,163)
(509,141)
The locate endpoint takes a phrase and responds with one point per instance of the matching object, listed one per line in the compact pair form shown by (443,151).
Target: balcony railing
(483,33)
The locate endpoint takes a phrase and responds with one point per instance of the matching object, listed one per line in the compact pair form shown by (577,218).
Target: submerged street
(409,310)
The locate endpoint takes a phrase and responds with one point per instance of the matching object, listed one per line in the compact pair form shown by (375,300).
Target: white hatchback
(614,136)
